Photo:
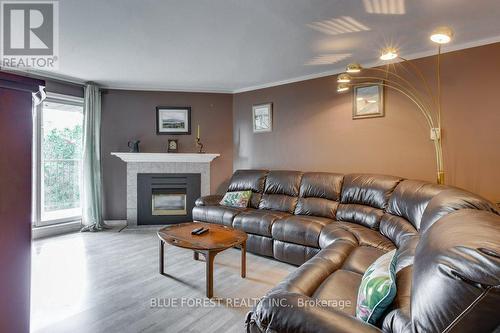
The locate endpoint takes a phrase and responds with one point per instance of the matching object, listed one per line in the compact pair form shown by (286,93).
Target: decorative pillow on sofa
(377,289)
(238,199)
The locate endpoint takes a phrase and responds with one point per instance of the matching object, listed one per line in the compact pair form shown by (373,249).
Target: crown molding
(166,89)
(338,70)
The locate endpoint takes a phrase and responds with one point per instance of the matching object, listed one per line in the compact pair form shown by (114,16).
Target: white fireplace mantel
(139,163)
(166,157)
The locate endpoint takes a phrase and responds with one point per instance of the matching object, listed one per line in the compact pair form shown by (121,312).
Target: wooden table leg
(161,258)
(209,259)
(196,255)
(243,259)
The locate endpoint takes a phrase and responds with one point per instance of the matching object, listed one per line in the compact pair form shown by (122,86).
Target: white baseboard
(116,223)
(56,229)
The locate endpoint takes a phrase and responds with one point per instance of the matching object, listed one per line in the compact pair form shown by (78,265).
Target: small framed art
(368,101)
(173,120)
(262,116)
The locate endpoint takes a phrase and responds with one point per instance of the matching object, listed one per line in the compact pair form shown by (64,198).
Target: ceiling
(238,45)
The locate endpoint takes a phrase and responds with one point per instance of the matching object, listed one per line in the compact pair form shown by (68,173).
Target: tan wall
(128,115)
(314,129)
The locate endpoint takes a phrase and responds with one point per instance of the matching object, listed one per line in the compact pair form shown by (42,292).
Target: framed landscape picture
(262,115)
(173,120)
(368,101)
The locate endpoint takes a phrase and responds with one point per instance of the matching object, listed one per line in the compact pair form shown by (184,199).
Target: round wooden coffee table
(217,239)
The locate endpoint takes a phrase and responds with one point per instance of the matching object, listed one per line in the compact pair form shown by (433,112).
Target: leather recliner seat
(334,226)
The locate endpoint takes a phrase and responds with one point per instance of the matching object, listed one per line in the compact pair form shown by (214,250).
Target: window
(58,160)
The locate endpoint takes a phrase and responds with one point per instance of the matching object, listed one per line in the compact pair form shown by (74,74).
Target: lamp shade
(344,78)
(353,68)
(389,53)
(342,87)
(442,35)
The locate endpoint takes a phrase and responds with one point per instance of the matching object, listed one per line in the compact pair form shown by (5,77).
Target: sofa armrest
(209,200)
(291,312)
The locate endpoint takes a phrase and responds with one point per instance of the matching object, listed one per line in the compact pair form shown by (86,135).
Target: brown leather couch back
(451,200)
(244,180)
(281,191)
(319,194)
(364,198)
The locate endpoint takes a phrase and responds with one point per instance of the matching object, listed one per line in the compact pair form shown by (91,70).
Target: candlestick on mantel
(198,141)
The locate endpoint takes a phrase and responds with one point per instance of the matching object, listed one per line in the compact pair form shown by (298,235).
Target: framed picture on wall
(262,117)
(368,101)
(173,120)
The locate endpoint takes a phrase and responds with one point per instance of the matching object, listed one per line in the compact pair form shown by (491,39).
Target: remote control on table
(196,231)
(202,231)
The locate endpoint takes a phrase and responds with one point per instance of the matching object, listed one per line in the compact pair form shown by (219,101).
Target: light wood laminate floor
(109,282)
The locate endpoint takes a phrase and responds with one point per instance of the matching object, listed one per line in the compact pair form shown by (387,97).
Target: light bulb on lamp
(344,78)
(342,87)
(388,53)
(442,35)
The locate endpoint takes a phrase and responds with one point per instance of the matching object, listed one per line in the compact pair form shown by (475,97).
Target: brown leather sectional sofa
(334,226)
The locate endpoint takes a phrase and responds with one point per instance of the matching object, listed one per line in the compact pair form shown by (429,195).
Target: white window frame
(37,160)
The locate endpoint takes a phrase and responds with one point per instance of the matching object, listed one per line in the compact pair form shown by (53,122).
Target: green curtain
(92,178)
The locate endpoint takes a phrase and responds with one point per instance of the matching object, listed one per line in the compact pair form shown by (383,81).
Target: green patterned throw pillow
(377,289)
(238,199)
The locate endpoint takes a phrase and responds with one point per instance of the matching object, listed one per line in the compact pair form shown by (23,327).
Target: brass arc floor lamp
(427,101)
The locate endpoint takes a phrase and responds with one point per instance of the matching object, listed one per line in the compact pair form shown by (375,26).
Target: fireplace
(164,204)
(166,198)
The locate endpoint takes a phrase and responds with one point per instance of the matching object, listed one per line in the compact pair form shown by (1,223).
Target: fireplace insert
(166,198)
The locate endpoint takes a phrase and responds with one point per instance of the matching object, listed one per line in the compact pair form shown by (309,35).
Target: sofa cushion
(396,228)
(216,214)
(451,200)
(319,194)
(283,182)
(278,202)
(398,319)
(364,215)
(343,286)
(369,190)
(316,207)
(355,233)
(361,258)
(377,289)
(303,230)
(281,191)
(294,254)
(243,180)
(237,199)
(306,278)
(208,200)
(410,198)
(260,245)
(323,185)
(257,222)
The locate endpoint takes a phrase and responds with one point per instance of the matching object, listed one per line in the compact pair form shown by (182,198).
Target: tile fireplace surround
(162,163)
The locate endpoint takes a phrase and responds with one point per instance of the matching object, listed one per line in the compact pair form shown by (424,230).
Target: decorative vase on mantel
(133,146)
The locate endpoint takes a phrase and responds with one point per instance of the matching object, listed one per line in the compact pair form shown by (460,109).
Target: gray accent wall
(131,115)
